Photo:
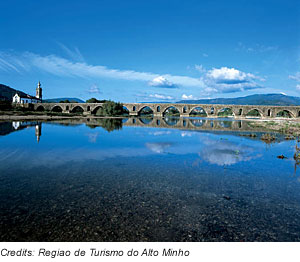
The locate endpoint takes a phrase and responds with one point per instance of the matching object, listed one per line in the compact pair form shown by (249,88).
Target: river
(132,180)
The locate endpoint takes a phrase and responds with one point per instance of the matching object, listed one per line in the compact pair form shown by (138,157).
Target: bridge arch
(171,111)
(77,109)
(125,110)
(40,108)
(56,108)
(146,110)
(285,113)
(97,110)
(254,112)
(225,112)
(198,111)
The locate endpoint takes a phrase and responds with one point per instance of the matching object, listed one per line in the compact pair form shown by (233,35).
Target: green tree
(92,100)
(110,108)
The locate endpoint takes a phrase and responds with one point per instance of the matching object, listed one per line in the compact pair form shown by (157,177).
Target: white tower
(39,91)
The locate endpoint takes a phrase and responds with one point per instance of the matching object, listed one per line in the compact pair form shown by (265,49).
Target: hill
(7,93)
(57,100)
(260,99)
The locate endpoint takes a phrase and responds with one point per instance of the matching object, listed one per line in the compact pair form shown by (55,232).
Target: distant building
(27,99)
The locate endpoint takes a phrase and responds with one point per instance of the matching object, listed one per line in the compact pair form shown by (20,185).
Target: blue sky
(132,51)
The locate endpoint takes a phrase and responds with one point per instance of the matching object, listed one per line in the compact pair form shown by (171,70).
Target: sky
(145,51)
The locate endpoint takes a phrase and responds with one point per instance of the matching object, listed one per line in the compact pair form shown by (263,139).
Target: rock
(281,157)
(227,197)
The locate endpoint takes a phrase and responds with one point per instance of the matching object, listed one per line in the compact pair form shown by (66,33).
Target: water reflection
(171,121)
(145,182)
(158,147)
(9,127)
(112,124)
(225,124)
(109,124)
(226,152)
(146,120)
(198,122)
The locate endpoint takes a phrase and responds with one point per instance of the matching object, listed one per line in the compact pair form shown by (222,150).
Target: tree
(92,100)
(110,108)
(95,100)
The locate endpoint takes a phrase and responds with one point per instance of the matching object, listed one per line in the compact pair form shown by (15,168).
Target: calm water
(142,180)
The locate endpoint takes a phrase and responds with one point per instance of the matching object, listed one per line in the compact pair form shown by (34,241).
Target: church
(27,99)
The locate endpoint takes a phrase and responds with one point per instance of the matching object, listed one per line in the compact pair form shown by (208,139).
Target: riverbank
(18,116)
(288,127)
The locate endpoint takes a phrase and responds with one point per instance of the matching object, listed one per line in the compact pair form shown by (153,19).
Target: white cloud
(227,80)
(8,63)
(200,68)
(94,89)
(161,81)
(63,67)
(162,97)
(222,80)
(228,75)
(74,55)
(295,76)
(184,96)
(257,48)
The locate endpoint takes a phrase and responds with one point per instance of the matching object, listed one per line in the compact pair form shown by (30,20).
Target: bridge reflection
(193,124)
(111,124)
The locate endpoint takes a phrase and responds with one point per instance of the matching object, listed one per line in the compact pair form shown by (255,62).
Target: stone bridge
(212,110)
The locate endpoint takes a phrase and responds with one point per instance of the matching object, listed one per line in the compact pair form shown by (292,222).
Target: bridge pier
(184,114)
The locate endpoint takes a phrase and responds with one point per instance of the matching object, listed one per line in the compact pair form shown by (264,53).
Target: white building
(27,99)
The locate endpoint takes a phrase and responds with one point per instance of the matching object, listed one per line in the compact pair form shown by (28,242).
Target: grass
(271,123)
(268,137)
